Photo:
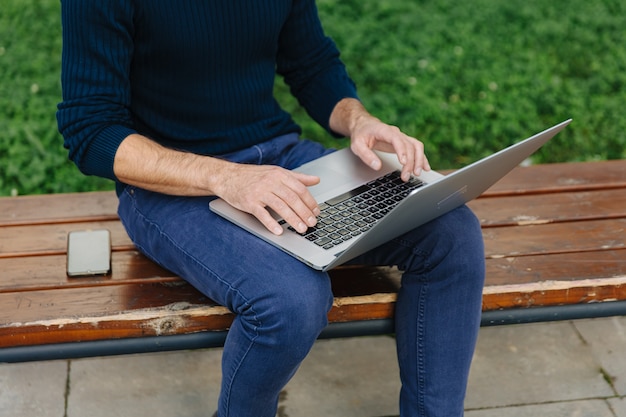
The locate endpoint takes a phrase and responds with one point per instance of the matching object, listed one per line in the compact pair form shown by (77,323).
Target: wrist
(347,115)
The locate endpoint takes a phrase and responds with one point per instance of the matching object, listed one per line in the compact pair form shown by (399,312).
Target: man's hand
(367,133)
(257,188)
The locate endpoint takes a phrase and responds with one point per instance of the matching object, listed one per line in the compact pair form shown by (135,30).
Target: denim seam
(421,359)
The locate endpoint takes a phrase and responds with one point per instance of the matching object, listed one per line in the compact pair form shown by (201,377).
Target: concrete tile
(33,389)
(340,377)
(533,363)
(592,408)
(181,384)
(618,405)
(607,339)
(345,377)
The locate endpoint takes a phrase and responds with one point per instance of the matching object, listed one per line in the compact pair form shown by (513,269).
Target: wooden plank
(573,237)
(550,208)
(48,272)
(50,239)
(40,273)
(94,301)
(135,310)
(526,271)
(561,177)
(106,312)
(59,208)
(522,180)
(503,211)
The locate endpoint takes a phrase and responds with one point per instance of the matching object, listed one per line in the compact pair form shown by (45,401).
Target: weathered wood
(51,239)
(58,208)
(554,235)
(573,237)
(537,209)
(564,177)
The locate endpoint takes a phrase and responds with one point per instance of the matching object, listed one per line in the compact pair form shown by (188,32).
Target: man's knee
(296,312)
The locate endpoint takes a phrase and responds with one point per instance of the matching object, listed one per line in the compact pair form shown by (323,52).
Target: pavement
(559,369)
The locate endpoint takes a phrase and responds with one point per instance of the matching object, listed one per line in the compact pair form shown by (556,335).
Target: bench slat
(561,177)
(523,272)
(522,180)
(550,208)
(48,273)
(524,210)
(59,208)
(135,310)
(570,237)
(509,241)
(50,239)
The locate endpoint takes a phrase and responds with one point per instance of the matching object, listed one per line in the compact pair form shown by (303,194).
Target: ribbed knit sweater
(195,75)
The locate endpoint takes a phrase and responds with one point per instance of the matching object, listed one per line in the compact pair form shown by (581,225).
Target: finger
(418,157)
(367,155)
(267,220)
(300,201)
(307,181)
(427,166)
(405,149)
(299,218)
(421,161)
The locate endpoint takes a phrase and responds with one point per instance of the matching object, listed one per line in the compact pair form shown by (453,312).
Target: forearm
(144,163)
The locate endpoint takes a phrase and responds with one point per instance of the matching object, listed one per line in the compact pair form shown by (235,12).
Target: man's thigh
(224,262)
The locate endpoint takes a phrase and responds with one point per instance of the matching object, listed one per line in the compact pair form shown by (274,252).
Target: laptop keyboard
(347,216)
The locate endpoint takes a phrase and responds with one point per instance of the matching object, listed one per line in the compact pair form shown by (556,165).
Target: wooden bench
(555,249)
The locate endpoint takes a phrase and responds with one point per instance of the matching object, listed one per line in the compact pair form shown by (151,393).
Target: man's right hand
(257,188)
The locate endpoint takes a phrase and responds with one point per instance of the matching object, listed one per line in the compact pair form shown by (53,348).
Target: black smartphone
(88,253)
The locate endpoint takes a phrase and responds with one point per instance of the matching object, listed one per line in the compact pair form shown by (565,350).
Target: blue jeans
(281,305)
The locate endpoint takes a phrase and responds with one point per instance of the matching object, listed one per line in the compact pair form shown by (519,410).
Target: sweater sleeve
(94,115)
(310,64)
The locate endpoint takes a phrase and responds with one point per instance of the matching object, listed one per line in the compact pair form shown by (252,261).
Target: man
(172,99)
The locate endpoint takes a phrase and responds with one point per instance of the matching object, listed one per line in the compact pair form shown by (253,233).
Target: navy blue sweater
(195,75)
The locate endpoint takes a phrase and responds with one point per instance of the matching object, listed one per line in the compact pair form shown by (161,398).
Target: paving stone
(592,408)
(618,405)
(33,389)
(345,378)
(181,384)
(607,338)
(341,377)
(533,363)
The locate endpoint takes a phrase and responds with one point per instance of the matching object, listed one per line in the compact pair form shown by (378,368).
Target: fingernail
(312,221)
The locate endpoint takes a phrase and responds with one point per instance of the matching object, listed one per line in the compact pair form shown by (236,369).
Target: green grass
(465,77)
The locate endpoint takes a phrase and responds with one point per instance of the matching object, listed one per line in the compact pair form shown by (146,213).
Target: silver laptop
(363,208)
